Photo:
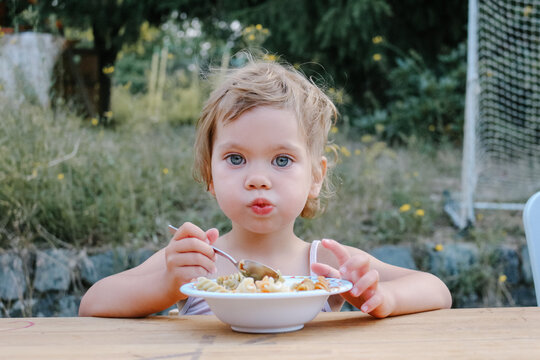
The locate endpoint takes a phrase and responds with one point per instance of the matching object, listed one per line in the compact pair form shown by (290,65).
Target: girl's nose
(257,181)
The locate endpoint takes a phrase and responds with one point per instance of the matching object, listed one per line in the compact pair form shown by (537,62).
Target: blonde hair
(262,83)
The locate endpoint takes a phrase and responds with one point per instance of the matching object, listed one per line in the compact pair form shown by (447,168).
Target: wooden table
(498,333)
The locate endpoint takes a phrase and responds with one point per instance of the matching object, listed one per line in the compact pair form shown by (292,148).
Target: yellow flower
(60,176)
(34,173)
(489,74)
(366,138)
(108,114)
(379,128)
(404,208)
(165,171)
(1,34)
(527,10)
(345,151)
(108,69)
(377,39)
(439,247)
(270,57)
(419,212)
(502,278)
(170,56)
(251,37)
(431,128)
(377,57)
(479,217)
(258,27)
(94,121)
(357,152)
(334,129)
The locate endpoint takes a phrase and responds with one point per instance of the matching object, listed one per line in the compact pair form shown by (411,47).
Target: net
(501,158)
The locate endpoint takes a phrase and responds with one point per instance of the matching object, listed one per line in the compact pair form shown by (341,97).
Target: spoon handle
(225,255)
(173,229)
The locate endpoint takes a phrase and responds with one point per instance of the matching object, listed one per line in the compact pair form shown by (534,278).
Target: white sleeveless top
(198,306)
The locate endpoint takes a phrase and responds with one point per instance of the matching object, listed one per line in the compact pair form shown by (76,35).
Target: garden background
(87,189)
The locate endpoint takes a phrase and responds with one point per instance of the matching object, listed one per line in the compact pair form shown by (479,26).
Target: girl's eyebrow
(228,145)
(283,146)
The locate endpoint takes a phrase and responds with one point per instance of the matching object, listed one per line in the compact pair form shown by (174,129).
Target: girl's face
(261,170)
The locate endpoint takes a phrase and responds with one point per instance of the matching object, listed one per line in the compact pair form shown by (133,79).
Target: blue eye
(282,161)
(235,159)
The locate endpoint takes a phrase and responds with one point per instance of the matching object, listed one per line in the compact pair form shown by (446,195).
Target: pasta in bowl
(266,306)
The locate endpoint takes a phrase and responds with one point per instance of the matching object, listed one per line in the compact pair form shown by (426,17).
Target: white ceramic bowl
(268,312)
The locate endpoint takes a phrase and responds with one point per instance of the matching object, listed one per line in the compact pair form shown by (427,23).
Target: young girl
(259,150)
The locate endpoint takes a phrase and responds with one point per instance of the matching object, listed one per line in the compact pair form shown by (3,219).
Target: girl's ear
(318,179)
(211,188)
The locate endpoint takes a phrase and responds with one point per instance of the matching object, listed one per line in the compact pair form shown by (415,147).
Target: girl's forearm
(416,292)
(127,295)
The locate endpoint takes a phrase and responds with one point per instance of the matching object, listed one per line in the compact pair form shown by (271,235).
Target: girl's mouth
(261,207)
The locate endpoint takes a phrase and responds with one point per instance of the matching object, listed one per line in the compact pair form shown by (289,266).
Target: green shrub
(424,102)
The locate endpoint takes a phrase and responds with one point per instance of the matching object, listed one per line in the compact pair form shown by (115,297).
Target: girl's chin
(257,228)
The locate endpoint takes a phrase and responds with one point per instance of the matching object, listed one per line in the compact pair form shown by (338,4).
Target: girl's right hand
(189,255)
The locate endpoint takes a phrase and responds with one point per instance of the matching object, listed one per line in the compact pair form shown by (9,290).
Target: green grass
(68,183)
(64,180)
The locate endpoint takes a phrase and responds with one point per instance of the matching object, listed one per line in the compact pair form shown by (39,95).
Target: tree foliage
(342,36)
(354,45)
(113,23)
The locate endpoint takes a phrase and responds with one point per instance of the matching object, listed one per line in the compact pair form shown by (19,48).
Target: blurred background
(99,99)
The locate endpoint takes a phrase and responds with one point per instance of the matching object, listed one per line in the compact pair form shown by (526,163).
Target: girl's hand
(366,294)
(189,255)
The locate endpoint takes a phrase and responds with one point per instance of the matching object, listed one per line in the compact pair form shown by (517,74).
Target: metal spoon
(248,268)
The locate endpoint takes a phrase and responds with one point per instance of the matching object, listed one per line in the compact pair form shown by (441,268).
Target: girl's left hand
(366,293)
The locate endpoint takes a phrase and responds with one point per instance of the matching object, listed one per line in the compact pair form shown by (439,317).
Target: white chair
(531,221)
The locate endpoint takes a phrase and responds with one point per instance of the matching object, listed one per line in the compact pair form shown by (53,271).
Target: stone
(58,304)
(452,259)
(524,295)
(468,300)
(53,270)
(395,255)
(68,306)
(507,262)
(101,265)
(12,277)
(23,308)
(140,255)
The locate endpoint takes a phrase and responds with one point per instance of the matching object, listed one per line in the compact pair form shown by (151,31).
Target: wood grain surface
(487,333)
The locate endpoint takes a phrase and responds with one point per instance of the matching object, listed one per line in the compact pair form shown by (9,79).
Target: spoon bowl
(248,268)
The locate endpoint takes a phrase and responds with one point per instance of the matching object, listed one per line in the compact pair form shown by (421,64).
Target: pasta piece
(268,285)
(247,286)
(322,283)
(209,285)
(305,285)
(240,284)
(230,282)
